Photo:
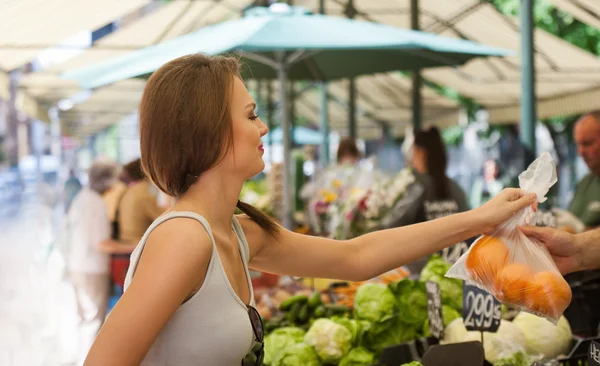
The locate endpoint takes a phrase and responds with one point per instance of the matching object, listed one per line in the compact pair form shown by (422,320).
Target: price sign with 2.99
(434,309)
(481,311)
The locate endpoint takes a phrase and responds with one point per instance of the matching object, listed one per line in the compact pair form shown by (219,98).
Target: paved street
(33,299)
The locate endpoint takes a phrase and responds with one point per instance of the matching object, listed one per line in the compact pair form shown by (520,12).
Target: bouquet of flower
(332,188)
(378,206)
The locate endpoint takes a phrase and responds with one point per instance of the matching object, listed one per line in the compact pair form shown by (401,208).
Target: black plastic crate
(583,313)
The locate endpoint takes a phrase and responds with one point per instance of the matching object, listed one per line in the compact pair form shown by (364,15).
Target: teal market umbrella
(286,43)
(302,136)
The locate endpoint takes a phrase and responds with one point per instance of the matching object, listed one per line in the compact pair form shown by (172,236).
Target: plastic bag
(518,271)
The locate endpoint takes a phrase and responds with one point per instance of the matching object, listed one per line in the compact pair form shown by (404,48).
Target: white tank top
(213,326)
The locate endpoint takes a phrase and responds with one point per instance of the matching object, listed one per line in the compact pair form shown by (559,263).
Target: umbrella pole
(283,110)
(528,99)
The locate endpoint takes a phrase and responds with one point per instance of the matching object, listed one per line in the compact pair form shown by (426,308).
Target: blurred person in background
(87,266)
(441,195)
(586,199)
(490,184)
(583,313)
(429,159)
(348,152)
(72,187)
(136,210)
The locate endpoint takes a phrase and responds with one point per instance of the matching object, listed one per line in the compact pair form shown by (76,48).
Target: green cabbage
(356,327)
(280,340)
(395,333)
(331,340)
(451,289)
(542,337)
(299,354)
(436,266)
(448,313)
(374,302)
(518,359)
(411,301)
(358,357)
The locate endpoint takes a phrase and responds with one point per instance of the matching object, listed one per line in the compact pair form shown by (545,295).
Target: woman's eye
(254,117)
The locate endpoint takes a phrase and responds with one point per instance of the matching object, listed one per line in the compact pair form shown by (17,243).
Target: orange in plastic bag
(516,270)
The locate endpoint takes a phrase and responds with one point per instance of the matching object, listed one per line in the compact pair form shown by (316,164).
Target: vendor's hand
(561,245)
(504,205)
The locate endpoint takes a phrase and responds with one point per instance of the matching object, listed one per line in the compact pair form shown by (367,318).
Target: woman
(188,298)
(136,210)
(443,196)
(348,152)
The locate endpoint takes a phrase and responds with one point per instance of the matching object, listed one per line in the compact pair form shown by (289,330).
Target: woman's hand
(502,207)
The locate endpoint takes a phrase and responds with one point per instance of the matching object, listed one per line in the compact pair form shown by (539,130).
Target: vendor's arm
(374,253)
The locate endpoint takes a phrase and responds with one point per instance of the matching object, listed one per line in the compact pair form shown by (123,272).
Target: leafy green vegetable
(374,302)
(299,354)
(395,333)
(451,289)
(358,357)
(331,340)
(448,313)
(280,340)
(356,327)
(436,266)
(518,359)
(411,301)
(414,363)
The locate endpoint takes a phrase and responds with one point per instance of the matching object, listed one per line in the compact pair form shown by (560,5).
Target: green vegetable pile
(301,311)
(383,316)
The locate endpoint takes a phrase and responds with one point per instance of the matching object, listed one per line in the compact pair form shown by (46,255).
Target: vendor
(585,205)
(441,197)
(586,200)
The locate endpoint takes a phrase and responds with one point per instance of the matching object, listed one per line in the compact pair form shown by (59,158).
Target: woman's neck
(214,195)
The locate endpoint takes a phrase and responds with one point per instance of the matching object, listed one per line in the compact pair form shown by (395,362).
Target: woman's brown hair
(134,171)
(185,124)
(436,160)
(347,147)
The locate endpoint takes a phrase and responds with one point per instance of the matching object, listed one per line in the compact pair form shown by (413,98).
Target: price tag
(463,354)
(481,311)
(434,309)
(594,354)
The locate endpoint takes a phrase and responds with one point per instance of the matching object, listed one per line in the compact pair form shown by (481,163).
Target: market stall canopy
(31,26)
(321,47)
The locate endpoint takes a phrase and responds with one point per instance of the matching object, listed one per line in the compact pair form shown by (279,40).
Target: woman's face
(246,155)
(418,159)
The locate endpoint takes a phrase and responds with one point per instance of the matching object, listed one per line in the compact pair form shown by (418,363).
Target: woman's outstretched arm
(377,252)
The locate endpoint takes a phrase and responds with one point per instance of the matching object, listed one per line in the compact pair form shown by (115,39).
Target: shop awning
(30,26)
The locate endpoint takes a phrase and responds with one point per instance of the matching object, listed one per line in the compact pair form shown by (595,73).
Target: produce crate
(579,353)
(582,313)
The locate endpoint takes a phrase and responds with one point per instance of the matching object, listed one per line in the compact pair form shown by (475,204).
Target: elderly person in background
(87,265)
(586,200)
